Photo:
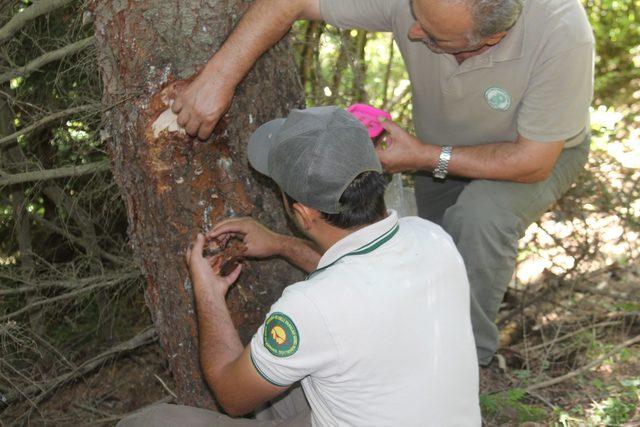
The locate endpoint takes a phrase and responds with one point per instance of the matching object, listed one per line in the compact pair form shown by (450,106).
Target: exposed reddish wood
(227,256)
(175,186)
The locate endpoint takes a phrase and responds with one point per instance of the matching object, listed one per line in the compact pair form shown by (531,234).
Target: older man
(501,91)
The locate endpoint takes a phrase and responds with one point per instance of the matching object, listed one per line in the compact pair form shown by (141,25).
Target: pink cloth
(369,116)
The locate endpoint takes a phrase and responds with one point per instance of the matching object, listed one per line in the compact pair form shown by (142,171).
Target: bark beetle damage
(162,131)
(225,255)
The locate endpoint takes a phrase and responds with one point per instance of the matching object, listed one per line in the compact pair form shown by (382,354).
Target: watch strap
(442,167)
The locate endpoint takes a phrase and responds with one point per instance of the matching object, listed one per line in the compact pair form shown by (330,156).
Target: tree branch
(46,58)
(586,367)
(66,284)
(79,241)
(39,8)
(46,120)
(39,303)
(145,337)
(63,172)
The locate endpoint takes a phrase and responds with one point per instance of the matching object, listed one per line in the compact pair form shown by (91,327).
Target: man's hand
(262,242)
(259,240)
(202,274)
(202,103)
(402,152)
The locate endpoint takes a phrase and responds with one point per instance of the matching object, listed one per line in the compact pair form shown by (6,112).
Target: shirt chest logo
(497,98)
(280,335)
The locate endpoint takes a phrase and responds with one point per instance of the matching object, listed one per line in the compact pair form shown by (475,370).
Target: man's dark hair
(362,202)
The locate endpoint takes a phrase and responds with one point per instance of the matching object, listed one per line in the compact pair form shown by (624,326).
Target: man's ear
(306,216)
(495,39)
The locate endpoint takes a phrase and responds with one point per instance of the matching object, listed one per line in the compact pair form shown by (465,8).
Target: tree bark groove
(175,186)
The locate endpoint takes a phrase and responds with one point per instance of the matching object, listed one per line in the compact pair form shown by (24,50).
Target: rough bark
(174,186)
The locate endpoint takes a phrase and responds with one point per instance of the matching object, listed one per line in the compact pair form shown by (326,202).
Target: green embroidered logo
(280,335)
(497,98)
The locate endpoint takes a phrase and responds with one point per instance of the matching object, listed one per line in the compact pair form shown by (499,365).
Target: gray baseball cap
(314,154)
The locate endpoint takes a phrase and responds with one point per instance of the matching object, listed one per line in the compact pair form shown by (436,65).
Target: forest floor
(591,329)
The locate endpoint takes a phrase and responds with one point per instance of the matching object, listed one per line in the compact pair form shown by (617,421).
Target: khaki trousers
(289,410)
(486,219)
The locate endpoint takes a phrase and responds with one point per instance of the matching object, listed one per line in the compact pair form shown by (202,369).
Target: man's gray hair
(492,16)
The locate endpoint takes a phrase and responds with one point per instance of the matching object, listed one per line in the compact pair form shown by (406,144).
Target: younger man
(378,334)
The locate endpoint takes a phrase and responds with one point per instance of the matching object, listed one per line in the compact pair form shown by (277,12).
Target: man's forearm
(219,343)
(299,252)
(262,26)
(504,161)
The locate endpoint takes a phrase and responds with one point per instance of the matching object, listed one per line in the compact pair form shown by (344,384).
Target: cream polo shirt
(380,334)
(537,81)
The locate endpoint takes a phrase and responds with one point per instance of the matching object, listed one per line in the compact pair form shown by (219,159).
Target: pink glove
(369,116)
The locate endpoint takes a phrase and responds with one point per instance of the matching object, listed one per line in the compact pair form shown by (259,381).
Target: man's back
(384,331)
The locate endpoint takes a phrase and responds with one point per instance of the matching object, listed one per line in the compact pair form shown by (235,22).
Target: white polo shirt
(380,334)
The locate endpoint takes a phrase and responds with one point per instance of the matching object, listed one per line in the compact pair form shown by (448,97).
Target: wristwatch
(440,171)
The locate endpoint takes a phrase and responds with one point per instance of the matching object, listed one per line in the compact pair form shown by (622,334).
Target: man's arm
(522,161)
(263,243)
(205,100)
(226,366)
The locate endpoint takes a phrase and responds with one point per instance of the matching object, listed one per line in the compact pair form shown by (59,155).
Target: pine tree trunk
(174,186)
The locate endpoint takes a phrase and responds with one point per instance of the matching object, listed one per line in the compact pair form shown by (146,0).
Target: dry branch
(79,241)
(572,334)
(39,303)
(586,367)
(39,8)
(65,284)
(63,172)
(48,119)
(47,58)
(145,337)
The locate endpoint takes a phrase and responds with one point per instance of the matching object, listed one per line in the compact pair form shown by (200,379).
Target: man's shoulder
(565,22)
(307,292)
(414,225)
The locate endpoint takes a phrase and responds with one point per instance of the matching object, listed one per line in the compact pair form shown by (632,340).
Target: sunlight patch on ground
(8,260)
(627,154)
(613,245)
(606,232)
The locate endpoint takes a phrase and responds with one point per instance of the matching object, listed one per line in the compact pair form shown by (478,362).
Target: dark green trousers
(486,219)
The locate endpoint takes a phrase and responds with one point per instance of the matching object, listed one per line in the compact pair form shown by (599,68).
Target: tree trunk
(175,186)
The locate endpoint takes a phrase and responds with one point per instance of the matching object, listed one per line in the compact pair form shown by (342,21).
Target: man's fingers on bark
(206,130)
(198,245)
(183,117)
(192,127)
(229,226)
(233,276)
(187,255)
(176,106)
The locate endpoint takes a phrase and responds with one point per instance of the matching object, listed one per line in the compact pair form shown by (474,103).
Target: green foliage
(615,410)
(617,404)
(510,404)
(346,67)
(617,32)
